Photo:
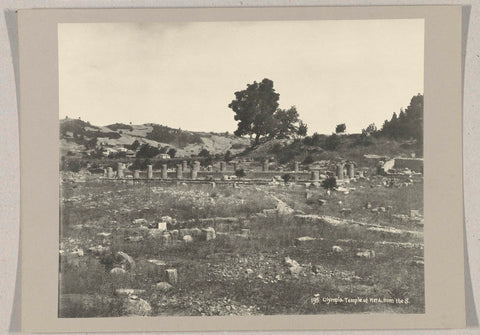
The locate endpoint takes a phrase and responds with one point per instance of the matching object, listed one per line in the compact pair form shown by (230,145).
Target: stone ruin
(343,171)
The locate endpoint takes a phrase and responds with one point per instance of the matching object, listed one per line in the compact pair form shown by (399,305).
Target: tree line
(257,111)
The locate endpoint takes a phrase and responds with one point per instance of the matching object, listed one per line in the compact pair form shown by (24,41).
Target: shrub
(204,153)
(340,128)
(118,126)
(177,137)
(287,177)
(308,160)
(140,164)
(120,154)
(240,173)
(330,183)
(172,153)
(147,151)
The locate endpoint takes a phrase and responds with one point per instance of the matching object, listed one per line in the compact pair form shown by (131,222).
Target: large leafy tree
(254,108)
(288,123)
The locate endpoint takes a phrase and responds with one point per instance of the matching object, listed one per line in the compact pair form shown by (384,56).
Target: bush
(172,153)
(330,183)
(139,164)
(147,151)
(118,126)
(308,160)
(177,137)
(340,128)
(120,154)
(240,173)
(204,153)
(288,177)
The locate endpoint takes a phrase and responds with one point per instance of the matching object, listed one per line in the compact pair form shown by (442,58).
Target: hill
(78,137)
(365,150)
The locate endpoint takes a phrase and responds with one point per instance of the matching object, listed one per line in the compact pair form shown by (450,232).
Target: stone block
(172,276)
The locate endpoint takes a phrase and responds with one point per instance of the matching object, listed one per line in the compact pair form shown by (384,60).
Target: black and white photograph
(241,168)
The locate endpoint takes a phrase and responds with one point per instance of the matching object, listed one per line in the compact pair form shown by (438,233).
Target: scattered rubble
(366,254)
(135,306)
(140,222)
(172,276)
(337,249)
(157,262)
(187,239)
(163,286)
(125,260)
(208,234)
(304,239)
(128,291)
(117,271)
(293,267)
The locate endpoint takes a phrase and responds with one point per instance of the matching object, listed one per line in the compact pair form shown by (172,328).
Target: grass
(230,274)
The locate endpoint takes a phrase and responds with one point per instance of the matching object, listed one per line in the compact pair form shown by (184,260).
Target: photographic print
(241,168)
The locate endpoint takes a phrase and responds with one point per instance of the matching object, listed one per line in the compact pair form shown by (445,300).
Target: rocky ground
(155,249)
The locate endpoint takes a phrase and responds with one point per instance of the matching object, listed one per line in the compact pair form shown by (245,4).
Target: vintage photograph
(241,168)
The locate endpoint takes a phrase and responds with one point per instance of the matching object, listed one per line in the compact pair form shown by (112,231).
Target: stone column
(210,168)
(164,171)
(297,166)
(351,170)
(340,171)
(196,166)
(184,165)
(235,166)
(109,172)
(136,174)
(179,171)
(120,170)
(149,172)
(172,276)
(265,165)
(223,166)
(193,174)
(315,175)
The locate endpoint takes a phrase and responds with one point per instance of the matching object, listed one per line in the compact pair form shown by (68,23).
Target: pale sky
(184,75)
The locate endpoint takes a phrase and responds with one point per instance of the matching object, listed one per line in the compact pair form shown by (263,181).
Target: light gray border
(442,81)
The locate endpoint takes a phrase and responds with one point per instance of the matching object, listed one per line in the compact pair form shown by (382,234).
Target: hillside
(363,150)
(77,137)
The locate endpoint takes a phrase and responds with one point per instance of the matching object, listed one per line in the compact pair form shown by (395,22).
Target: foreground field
(248,250)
